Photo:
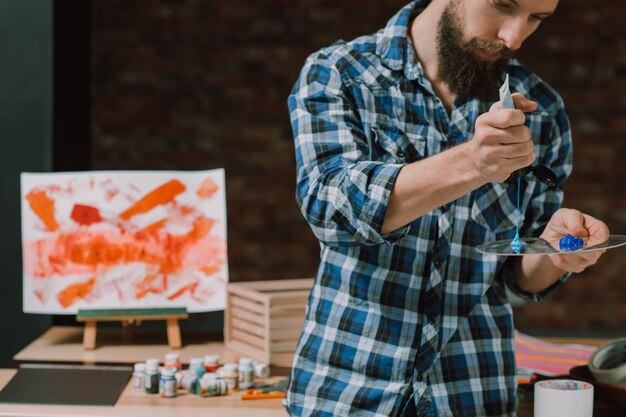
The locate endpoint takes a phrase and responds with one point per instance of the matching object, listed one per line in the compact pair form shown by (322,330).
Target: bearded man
(402,154)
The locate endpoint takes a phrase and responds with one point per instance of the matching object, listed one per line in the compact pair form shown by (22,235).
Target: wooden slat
(286,323)
(244,315)
(281,359)
(291,312)
(266,317)
(277,285)
(293,302)
(247,338)
(291,333)
(247,293)
(246,326)
(246,304)
(249,351)
(283,347)
(289,297)
(227,320)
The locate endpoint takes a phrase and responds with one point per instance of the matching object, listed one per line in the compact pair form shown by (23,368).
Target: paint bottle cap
(261,370)
(152,364)
(211,359)
(230,367)
(246,364)
(245,361)
(196,363)
(168,372)
(140,367)
(172,357)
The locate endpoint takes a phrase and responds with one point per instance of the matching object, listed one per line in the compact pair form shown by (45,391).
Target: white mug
(563,398)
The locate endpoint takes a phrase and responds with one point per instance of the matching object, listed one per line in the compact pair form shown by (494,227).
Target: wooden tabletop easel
(129,317)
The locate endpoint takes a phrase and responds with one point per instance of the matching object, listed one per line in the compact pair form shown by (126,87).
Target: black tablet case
(66,384)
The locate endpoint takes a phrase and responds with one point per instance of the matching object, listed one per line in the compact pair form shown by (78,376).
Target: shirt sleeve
(546,201)
(342,194)
(511,283)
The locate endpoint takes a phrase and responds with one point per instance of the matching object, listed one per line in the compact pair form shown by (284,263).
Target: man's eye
(502,5)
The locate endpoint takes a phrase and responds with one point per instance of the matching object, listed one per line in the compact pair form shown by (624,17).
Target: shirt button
(438,263)
(432,320)
(400,154)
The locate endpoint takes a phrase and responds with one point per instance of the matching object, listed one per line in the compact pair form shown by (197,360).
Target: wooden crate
(263,319)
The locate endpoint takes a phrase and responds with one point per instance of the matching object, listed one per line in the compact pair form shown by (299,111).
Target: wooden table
(136,403)
(64,344)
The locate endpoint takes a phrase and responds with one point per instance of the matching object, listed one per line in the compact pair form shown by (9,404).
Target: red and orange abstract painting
(124,239)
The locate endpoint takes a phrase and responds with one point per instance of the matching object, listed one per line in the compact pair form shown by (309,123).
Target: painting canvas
(124,239)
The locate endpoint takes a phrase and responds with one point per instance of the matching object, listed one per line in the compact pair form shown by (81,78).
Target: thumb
(523,104)
(575,223)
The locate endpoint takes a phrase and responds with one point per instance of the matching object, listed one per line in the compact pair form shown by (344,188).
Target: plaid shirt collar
(395,47)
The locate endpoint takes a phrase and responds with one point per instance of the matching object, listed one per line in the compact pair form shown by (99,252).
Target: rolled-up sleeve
(341,193)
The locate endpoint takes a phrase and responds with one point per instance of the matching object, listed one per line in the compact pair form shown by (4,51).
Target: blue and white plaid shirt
(416,312)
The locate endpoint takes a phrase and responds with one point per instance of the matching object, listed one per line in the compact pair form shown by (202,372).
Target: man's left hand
(580,225)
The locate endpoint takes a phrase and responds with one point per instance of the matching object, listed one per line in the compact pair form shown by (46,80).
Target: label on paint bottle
(151,380)
(167,382)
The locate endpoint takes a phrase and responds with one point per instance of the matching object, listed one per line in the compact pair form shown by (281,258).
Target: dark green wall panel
(25,145)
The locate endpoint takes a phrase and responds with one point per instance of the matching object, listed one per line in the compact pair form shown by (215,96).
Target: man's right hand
(502,143)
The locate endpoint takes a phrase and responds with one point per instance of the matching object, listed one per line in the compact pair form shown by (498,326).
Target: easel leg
(173,333)
(127,331)
(89,335)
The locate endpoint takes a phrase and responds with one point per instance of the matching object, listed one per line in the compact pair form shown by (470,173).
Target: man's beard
(465,74)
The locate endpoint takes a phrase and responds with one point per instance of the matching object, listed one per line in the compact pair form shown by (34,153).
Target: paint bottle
(196,365)
(167,382)
(189,381)
(230,375)
(219,387)
(211,388)
(139,372)
(211,363)
(172,360)
(261,370)
(179,375)
(151,380)
(246,373)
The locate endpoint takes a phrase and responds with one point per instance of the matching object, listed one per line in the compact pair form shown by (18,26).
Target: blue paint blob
(570,244)
(517,245)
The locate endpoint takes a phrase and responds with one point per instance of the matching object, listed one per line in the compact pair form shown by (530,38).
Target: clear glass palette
(538,246)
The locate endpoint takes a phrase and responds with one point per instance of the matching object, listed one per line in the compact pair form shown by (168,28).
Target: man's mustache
(501,51)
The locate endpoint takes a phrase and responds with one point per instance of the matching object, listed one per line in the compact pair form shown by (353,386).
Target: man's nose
(514,32)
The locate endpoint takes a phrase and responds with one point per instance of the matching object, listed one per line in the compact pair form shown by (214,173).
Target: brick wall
(581,51)
(199,84)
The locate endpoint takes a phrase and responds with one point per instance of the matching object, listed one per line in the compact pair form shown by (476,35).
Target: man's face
(475,39)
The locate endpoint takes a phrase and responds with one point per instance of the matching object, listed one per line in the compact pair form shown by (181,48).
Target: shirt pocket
(393,145)
(495,207)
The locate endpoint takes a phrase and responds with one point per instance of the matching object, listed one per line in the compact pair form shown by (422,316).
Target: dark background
(200,84)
